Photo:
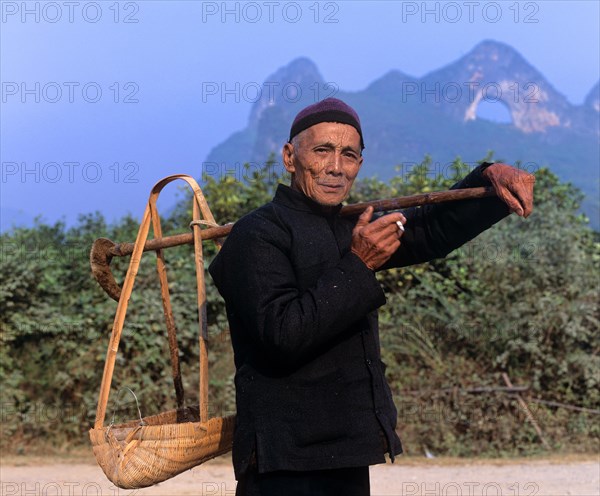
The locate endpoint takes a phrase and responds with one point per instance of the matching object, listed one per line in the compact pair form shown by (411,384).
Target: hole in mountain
(494,111)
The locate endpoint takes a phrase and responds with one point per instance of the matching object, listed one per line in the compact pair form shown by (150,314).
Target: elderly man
(313,407)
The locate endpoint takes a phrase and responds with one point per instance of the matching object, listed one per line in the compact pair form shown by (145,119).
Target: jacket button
(368,362)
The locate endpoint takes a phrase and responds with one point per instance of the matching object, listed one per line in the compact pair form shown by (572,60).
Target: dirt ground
(575,476)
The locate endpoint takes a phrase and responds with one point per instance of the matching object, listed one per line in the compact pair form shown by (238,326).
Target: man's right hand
(375,242)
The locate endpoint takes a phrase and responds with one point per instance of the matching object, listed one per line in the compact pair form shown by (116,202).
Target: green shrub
(520,299)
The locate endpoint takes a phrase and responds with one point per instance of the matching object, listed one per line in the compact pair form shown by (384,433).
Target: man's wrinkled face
(324,161)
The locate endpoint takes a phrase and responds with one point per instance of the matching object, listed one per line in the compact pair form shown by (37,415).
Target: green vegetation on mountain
(405,117)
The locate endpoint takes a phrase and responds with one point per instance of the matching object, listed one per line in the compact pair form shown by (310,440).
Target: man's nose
(334,165)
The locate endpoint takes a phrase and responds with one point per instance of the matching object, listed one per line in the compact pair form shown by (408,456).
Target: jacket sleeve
(433,231)
(255,276)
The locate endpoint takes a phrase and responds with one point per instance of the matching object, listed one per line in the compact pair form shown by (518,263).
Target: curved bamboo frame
(139,454)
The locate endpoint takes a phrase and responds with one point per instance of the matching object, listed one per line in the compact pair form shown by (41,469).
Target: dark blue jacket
(302,308)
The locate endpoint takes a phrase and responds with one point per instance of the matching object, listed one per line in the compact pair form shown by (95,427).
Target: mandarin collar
(297,200)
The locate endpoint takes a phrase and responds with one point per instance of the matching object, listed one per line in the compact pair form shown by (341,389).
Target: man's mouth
(331,186)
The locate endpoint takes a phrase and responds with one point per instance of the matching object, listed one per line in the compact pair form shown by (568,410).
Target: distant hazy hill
(404,118)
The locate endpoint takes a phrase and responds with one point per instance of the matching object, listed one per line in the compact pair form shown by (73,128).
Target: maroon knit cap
(328,110)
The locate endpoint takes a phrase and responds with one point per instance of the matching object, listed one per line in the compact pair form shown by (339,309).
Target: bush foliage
(521,299)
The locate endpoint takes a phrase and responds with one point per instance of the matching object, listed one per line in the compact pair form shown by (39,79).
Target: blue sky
(119,83)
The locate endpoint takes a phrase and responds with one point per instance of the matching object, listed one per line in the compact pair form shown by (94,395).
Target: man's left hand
(513,186)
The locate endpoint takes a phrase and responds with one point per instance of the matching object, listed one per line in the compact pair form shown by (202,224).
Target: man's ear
(287,154)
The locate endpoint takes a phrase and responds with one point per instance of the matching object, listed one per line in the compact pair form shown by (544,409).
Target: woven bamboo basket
(149,450)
